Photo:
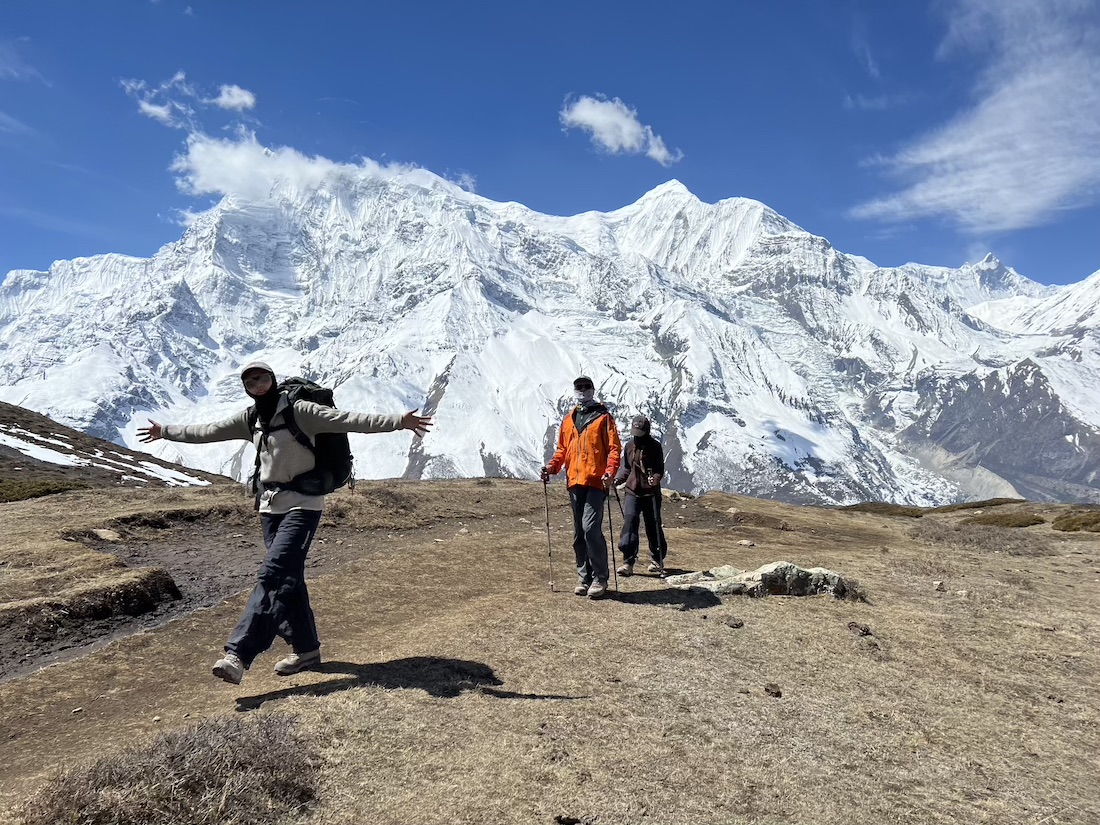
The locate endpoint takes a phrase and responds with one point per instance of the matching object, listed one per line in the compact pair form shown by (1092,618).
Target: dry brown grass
(1088,520)
(982,538)
(458,689)
(1017,518)
(976,505)
(885,508)
(222,770)
(20,490)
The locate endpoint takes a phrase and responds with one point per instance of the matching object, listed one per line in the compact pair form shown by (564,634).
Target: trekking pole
(611,532)
(619,501)
(659,531)
(657,528)
(549,553)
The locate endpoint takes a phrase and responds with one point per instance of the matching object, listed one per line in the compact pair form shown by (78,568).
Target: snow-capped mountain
(771,362)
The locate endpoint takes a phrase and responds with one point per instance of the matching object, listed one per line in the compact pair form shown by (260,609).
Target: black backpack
(332,450)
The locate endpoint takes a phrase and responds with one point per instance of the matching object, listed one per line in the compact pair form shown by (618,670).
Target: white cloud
(1029,146)
(164,103)
(161,113)
(243,166)
(466,181)
(235,98)
(13,126)
(615,128)
(170,103)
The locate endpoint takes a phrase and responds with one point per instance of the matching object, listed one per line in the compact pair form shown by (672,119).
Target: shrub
(18,490)
(225,770)
(977,505)
(1016,519)
(885,508)
(1088,520)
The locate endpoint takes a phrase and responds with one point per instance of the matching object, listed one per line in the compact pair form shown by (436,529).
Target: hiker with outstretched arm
(588,449)
(642,470)
(290,500)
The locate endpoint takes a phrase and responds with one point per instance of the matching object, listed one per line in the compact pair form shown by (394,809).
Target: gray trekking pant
(279,605)
(589,544)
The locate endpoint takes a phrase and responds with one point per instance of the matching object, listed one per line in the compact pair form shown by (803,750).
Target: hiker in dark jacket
(642,471)
(279,605)
(589,448)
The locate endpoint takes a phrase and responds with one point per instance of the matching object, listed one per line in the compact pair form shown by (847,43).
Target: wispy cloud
(165,103)
(53,223)
(161,113)
(173,102)
(614,127)
(876,103)
(12,126)
(862,49)
(14,67)
(1029,146)
(465,180)
(235,98)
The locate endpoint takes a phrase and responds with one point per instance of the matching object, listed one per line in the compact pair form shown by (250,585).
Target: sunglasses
(256,380)
(583,387)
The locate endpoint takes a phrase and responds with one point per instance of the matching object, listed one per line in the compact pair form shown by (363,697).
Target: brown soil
(458,688)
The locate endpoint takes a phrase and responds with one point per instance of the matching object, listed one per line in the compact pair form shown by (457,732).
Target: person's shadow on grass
(695,598)
(442,678)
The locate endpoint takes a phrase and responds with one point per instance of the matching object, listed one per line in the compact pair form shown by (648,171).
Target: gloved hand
(606,481)
(544,474)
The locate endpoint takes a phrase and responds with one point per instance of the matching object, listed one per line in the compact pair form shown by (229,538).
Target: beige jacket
(281,457)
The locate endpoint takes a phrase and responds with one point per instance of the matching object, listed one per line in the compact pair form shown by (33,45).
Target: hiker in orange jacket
(589,450)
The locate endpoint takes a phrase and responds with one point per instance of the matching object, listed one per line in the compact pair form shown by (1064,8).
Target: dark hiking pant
(589,544)
(279,606)
(635,510)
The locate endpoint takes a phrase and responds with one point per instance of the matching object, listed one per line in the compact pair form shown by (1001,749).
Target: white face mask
(583,396)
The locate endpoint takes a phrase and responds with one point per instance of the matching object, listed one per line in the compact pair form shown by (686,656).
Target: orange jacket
(589,455)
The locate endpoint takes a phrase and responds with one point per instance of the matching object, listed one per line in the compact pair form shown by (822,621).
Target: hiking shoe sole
(227,673)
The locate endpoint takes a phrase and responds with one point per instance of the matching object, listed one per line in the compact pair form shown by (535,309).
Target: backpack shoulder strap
(295,430)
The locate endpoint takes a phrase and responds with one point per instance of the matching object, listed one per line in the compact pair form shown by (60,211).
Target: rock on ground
(780,578)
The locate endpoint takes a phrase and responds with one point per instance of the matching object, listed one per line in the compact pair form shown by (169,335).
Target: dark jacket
(639,456)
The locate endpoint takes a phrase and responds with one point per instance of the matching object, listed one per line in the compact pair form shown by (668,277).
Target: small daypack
(332,451)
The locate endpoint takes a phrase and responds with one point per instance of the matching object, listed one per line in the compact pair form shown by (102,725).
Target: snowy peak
(771,362)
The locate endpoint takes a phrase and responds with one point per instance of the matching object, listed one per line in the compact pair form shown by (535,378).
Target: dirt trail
(370,585)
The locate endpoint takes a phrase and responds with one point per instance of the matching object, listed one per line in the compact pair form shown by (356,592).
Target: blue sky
(901,131)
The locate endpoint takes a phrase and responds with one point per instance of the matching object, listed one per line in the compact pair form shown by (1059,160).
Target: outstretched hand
(151,433)
(419,424)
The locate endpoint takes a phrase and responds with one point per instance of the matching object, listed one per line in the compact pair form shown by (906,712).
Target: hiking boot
(297,662)
(598,590)
(581,589)
(230,668)
(656,567)
(627,569)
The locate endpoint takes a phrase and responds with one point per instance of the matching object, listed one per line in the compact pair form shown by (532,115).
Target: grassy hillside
(458,688)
